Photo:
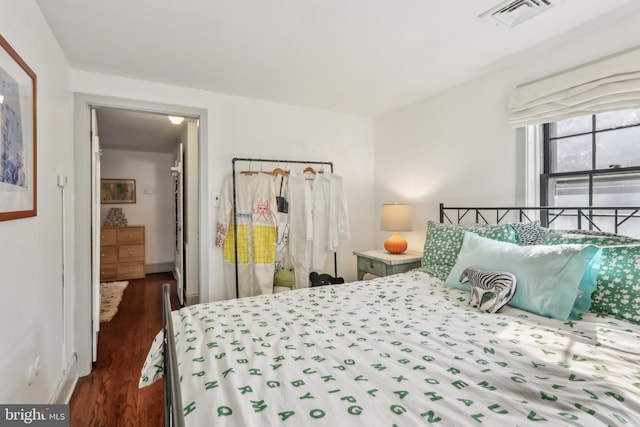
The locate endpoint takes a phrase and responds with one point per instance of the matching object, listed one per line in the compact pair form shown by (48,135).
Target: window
(593,160)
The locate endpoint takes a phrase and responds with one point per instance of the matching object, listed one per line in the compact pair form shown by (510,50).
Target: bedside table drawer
(372,266)
(401,268)
(381,263)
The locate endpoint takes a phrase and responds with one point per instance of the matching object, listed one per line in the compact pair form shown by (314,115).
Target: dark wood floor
(110,396)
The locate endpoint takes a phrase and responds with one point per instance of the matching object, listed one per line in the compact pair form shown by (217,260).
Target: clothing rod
(314,162)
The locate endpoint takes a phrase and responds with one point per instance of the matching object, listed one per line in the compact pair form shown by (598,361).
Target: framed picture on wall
(18,178)
(117,191)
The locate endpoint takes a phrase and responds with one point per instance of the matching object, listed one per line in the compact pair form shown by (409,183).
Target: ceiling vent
(512,12)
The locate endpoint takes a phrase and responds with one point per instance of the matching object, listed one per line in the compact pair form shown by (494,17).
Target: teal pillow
(443,243)
(553,281)
(618,283)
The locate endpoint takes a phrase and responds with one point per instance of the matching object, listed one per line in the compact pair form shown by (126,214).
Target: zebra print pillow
(500,285)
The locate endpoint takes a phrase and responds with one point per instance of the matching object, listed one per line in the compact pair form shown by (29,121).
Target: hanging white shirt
(339,222)
(330,218)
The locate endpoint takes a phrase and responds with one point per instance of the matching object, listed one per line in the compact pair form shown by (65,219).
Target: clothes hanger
(309,171)
(278,171)
(249,172)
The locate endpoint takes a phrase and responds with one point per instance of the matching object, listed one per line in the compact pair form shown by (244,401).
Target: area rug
(110,297)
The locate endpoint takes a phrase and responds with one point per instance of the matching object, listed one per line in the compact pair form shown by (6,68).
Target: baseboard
(67,384)
(193,299)
(162,267)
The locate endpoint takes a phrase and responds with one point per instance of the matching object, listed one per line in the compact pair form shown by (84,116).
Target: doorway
(86,233)
(152,152)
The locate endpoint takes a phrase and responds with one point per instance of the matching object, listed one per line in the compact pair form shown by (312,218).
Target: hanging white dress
(256,233)
(300,228)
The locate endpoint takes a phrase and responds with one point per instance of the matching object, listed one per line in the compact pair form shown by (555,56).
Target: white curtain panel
(606,85)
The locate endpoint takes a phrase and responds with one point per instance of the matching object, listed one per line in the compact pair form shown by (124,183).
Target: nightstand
(382,263)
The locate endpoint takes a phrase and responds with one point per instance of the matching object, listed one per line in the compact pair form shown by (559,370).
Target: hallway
(109,396)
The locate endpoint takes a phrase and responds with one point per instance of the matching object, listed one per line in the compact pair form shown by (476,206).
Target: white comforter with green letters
(398,351)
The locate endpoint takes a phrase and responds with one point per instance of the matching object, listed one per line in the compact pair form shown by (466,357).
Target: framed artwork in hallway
(118,190)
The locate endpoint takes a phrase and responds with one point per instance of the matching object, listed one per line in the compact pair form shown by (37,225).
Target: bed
(406,350)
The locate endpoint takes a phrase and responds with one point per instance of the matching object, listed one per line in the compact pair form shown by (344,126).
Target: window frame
(546,175)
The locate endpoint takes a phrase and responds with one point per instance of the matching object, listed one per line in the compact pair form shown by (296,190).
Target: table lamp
(395,217)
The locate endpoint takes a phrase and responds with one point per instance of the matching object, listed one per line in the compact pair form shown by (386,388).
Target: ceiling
(366,57)
(121,129)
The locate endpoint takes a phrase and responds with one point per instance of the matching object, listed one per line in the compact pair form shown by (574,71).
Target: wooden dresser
(121,253)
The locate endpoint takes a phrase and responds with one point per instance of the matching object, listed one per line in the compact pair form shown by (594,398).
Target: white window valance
(610,84)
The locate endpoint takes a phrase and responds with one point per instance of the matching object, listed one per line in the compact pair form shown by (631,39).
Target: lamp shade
(395,217)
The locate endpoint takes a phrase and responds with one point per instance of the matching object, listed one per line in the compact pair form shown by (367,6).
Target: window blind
(606,85)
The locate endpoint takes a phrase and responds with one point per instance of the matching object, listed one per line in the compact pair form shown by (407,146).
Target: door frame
(178,247)
(96,235)
(82,207)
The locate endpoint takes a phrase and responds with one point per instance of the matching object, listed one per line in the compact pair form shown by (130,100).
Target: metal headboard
(587,218)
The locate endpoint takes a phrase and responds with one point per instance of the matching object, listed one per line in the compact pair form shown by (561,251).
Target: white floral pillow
(555,237)
(443,243)
(618,283)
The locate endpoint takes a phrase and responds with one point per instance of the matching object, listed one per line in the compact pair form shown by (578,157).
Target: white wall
(241,127)
(457,148)
(31,255)
(154,207)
